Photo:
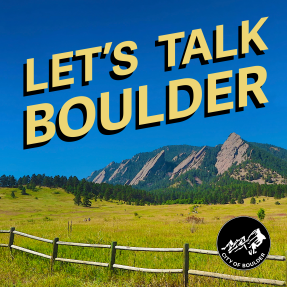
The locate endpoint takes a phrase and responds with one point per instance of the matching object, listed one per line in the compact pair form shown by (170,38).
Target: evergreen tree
(23,192)
(86,201)
(12,181)
(26,179)
(20,180)
(277,194)
(77,199)
(258,190)
(39,179)
(13,194)
(252,200)
(3,181)
(56,181)
(46,181)
(240,199)
(32,186)
(33,178)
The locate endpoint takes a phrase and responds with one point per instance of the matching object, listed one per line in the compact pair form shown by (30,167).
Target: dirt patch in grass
(229,216)
(255,217)
(10,212)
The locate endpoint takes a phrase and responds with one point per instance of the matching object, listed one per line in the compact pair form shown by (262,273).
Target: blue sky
(39,29)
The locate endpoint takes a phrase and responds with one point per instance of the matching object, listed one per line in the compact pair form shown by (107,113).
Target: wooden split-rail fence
(113,247)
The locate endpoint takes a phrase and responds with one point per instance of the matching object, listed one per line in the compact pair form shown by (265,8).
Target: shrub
(23,192)
(240,199)
(277,203)
(252,200)
(136,214)
(194,219)
(46,218)
(261,214)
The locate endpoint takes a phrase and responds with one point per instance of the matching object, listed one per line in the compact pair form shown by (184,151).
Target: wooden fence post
(54,252)
(11,239)
(113,255)
(185,264)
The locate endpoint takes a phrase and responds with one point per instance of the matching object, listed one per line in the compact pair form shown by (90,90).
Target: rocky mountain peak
(232,151)
(164,167)
(110,164)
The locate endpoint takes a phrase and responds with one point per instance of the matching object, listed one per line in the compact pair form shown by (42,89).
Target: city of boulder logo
(243,243)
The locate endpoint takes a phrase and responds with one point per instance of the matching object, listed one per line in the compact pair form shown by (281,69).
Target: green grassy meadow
(153,226)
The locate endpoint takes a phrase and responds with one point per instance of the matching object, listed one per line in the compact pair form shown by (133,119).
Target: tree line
(83,190)
(218,191)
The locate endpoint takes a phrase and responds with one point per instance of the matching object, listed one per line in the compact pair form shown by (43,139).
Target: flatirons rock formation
(121,169)
(193,161)
(151,164)
(171,166)
(232,151)
(100,177)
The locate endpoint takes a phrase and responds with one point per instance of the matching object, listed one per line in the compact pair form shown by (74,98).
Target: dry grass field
(46,212)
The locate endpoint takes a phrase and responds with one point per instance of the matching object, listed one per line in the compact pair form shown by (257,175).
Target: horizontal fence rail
(30,251)
(149,249)
(148,269)
(33,237)
(212,252)
(237,278)
(82,262)
(83,244)
(113,247)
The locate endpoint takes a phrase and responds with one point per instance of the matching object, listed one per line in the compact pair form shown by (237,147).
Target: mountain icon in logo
(250,244)
(243,243)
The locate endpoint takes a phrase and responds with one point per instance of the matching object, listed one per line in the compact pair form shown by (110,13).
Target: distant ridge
(167,166)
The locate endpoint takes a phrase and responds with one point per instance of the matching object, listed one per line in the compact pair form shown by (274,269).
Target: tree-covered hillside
(219,190)
(189,166)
